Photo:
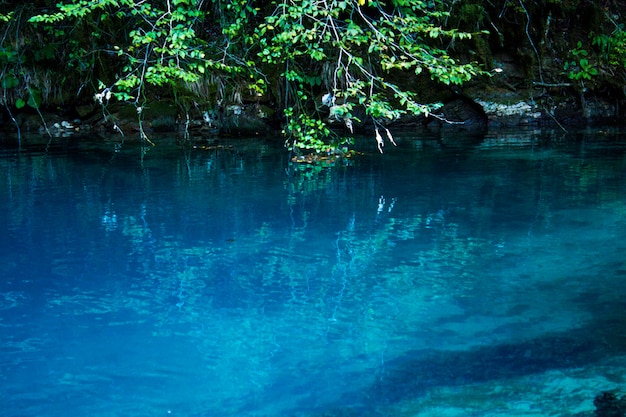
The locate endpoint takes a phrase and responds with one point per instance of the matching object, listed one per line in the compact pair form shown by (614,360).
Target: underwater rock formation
(609,404)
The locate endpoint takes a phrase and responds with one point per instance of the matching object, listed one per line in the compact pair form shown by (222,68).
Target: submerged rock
(609,404)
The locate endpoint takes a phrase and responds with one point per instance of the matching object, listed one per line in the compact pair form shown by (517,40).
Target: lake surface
(454,275)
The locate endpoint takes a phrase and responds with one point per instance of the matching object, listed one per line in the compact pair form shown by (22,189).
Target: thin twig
(532,44)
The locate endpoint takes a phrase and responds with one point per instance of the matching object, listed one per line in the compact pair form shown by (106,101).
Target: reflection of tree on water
(271,289)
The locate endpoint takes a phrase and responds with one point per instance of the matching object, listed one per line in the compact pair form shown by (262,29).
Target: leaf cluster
(360,49)
(353,50)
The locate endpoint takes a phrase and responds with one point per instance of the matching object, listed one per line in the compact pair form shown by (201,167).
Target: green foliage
(579,68)
(9,61)
(18,84)
(360,52)
(307,134)
(603,61)
(364,56)
(6,18)
(612,48)
(157,49)
(161,49)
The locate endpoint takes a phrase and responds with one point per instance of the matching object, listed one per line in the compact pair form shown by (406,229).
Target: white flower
(348,123)
(328,100)
(379,141)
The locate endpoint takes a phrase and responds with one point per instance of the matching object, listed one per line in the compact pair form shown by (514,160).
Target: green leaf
(34,100)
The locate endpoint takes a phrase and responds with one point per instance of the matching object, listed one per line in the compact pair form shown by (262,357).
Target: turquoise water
(486,278)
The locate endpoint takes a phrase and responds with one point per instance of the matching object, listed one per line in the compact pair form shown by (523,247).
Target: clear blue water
(486,278)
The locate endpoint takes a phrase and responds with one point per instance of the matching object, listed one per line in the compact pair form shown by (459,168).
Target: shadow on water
(420,371)
(416,373)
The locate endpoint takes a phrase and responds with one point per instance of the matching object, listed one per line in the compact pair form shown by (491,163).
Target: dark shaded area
(419,371)
(610,404)
(461,111)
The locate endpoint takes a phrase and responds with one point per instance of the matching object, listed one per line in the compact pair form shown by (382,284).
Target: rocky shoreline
(492,103)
